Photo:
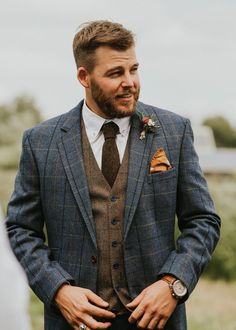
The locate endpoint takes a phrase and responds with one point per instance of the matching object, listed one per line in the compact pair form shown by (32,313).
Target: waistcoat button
(94,260)
(115,309)
(116,265)
(113,198)
(114,221)
(114,243)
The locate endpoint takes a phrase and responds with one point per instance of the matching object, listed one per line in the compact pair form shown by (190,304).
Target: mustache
(128,92)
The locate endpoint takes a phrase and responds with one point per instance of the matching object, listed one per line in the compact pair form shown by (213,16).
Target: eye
(134,69)
(114,74)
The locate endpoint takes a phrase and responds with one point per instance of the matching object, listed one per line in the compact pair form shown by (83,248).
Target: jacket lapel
(70,148)
(140,151)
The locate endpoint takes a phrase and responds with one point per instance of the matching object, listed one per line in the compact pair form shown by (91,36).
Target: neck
(94,108)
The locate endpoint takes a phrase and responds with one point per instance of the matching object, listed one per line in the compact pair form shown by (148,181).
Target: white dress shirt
(93,124)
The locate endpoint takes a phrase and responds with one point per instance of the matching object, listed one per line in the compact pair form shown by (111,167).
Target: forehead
(106,57)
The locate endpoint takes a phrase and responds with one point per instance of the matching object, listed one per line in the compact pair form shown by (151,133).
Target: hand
(153,306)
(79,305)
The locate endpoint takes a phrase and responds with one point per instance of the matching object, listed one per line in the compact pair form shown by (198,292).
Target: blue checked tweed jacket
(51,190)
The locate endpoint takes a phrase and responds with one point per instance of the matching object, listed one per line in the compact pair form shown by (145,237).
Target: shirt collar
(93,123)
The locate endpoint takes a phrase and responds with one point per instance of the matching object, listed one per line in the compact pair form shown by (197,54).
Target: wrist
(177,288)
(60,292)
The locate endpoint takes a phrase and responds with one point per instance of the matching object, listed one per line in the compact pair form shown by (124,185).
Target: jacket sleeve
(25,223)
(197,220)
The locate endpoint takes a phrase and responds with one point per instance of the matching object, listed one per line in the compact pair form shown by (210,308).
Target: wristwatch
(177,288)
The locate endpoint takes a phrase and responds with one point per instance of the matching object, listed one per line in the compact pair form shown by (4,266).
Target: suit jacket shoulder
(166,116)
(43,133)
(173,125)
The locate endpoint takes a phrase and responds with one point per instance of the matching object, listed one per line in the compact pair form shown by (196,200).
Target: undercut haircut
(96,34)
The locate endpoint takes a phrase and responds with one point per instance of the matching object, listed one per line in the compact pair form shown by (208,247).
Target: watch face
(179,288)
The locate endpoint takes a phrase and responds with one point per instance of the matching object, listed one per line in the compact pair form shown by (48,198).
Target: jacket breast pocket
(164,187)
(162,176)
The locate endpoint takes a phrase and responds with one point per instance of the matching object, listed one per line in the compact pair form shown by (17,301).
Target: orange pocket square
(160,162)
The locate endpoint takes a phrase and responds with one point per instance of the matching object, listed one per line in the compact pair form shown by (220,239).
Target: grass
(212,306)
(36,312)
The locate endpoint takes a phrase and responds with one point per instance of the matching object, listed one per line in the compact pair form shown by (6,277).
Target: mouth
(126,96)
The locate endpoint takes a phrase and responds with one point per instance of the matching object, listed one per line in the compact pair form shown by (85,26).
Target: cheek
(113,89)
(111,86)
(136,81)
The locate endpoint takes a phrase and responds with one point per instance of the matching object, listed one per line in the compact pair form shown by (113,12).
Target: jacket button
(94,260)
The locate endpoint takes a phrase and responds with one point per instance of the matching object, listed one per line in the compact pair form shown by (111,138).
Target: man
(107,179)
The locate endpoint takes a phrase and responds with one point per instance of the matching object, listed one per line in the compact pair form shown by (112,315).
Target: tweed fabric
(51,190)
(110,154)
(108,213)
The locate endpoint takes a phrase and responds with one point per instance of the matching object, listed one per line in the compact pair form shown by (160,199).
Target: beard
(107,105)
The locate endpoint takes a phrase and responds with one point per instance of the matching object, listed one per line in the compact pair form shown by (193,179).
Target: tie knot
(110,130)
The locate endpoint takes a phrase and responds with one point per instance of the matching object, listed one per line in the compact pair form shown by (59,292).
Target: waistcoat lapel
(70,148)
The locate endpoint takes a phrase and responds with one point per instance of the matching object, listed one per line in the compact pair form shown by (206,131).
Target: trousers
(121,323)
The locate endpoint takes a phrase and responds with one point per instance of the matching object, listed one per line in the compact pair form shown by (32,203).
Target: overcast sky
(186,50)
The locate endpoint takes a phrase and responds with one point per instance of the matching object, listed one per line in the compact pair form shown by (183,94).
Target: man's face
(114,83)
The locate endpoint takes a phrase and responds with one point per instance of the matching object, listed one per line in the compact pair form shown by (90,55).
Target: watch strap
(169,279)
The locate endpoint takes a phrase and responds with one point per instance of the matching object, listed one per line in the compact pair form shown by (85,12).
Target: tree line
(15,118)
(224,132)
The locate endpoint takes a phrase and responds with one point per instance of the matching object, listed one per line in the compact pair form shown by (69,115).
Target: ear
(83,76)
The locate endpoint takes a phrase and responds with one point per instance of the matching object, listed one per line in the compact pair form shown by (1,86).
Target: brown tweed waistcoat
(108,212)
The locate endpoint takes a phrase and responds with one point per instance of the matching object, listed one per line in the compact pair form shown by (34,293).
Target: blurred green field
(212,305)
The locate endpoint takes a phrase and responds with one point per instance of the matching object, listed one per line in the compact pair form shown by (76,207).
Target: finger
(144,321)
(162,323)
(100,312)
(136,315)
(153,323)
(148,321)
(96,299)
(90,322)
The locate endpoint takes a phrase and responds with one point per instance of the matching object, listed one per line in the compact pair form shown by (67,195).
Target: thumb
(136,301)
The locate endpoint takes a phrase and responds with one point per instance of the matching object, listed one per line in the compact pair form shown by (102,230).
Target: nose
(127,81)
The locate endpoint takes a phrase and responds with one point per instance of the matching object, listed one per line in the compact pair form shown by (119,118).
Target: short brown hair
(99,33)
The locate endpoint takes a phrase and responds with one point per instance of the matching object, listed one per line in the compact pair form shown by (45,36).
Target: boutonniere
(148,125)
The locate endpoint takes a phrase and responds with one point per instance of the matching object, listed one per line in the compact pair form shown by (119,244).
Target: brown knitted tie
(110,154)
